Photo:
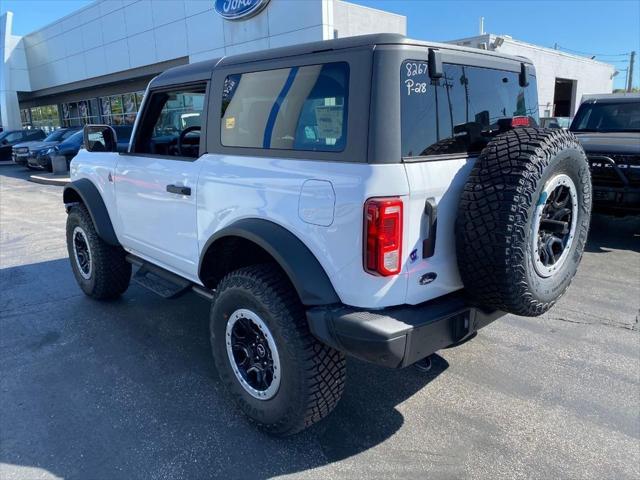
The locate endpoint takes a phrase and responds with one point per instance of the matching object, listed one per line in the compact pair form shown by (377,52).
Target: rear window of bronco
(463,110)
(297,108)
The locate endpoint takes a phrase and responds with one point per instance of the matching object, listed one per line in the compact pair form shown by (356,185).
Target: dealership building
(92,66)
(562,78)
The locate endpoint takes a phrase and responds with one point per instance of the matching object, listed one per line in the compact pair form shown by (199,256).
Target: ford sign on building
(93,65)
(238,9)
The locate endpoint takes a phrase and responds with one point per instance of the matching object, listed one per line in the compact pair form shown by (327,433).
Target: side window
(297,108)
(461,111)
(171,123)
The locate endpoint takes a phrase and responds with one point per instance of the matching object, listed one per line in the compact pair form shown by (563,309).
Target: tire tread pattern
(112,272)
(493,217)
(323,368)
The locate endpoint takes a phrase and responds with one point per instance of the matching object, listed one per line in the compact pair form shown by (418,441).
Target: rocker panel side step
(163,282)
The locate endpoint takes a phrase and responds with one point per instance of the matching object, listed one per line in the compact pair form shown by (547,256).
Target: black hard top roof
(202,70)
(613,98)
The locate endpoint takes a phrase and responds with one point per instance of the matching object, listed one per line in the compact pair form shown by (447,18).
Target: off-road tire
(110,272)
(494,226)
(312,374)
(445,146)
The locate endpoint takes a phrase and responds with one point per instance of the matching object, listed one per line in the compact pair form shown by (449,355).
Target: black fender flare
(301,266)
(85,191)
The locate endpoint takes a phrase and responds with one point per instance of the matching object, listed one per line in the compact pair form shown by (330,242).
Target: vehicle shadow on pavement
(613,233)
(367,415)
(17,171)
(127,389)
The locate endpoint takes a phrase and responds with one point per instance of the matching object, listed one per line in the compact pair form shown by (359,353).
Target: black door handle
(179,189)
(429,243)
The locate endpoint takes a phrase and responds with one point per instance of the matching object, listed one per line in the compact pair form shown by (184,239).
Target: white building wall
(351,20)
(110,36)
(591,76)
(14,74)
(115,35)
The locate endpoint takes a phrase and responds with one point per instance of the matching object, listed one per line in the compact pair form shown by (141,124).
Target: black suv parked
(9,138)
(608,127)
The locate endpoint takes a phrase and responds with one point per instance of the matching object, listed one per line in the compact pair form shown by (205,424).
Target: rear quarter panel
(97,167)
(231,188)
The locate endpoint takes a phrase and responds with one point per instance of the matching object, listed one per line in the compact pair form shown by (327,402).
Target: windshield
(59,135)
(75,138)
(607,117)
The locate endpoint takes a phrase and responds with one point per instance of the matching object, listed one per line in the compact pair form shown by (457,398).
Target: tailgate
(434,191)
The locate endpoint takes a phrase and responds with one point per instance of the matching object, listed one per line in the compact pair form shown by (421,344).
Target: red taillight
(520,122)
(383,236)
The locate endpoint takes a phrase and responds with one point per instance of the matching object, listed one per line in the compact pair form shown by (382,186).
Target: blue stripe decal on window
(271,121)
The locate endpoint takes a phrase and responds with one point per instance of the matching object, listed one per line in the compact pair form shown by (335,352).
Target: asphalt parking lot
(127,389)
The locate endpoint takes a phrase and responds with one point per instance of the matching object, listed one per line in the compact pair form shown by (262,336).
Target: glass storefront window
(116,110)
(93,108)
(45,117)
(25,117)
(121,109)
(77,114)
(111,110)
(129,101)
(105,103)
(139,97)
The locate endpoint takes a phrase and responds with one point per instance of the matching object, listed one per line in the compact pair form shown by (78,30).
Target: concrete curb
(50,179)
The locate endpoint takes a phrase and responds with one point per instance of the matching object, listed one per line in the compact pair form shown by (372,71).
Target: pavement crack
(623,326)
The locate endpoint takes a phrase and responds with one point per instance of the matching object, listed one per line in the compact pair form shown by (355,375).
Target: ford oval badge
(427,278)
(239,9)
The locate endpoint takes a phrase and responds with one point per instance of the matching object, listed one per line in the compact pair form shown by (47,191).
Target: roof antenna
(481,25)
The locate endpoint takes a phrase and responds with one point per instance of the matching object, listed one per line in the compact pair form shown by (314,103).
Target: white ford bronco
(373,196)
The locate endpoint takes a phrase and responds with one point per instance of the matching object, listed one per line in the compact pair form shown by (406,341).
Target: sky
(607,29)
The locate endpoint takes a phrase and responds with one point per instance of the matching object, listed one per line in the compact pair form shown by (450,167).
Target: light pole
(630,73)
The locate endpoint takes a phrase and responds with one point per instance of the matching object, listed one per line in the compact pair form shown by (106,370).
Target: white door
(156,182)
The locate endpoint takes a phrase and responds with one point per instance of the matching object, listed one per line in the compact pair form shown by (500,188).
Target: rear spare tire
(523,220)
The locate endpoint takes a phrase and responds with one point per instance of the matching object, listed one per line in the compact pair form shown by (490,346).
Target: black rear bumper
(398,336)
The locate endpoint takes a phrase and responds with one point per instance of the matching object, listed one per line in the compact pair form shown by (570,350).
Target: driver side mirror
(100,138)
